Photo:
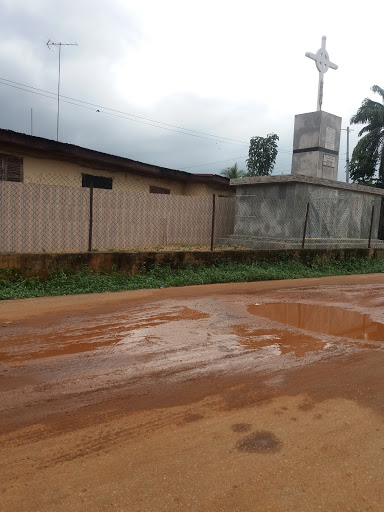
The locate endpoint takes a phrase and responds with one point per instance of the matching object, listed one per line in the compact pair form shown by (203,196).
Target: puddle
(332,320)
(284,340)
(90,338)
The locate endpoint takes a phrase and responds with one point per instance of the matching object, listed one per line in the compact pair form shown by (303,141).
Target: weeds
(63,282)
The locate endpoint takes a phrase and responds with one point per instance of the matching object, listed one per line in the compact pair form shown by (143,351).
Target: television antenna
(50,43)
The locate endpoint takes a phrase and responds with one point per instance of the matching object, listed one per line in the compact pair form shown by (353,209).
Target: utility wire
(217,162)
(116,113)
(222,161)
(121,116)
(49,94)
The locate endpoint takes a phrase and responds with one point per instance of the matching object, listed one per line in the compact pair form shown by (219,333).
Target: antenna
(50,43)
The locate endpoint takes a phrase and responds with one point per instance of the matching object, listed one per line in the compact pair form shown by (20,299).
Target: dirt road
(236,397)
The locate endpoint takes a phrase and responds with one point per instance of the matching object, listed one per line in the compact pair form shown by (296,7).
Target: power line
(124,115)
(217,162)
(164,128)
(222,161)
(114,115)
(107,110)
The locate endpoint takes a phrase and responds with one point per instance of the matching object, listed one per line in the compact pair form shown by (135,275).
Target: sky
(182,84)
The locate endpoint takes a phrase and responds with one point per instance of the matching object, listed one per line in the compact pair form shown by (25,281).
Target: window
(11,168)
(88,180)
(158,190)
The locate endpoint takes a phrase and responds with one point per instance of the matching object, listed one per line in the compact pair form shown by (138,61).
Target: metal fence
(67,216)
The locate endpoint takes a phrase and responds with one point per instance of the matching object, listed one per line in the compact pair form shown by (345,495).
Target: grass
(63,282)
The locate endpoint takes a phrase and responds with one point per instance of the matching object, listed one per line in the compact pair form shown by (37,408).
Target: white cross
(323,64)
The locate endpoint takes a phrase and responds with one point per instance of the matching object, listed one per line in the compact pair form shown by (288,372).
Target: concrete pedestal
(316,144)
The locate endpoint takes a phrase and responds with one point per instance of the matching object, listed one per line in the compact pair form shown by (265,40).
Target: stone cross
(322,61)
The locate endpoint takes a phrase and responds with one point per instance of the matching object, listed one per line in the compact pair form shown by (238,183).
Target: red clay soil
(236,397)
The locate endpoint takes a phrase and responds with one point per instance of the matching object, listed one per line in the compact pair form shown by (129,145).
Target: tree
(363,164)
(262,155)
(369,151)
(233,172)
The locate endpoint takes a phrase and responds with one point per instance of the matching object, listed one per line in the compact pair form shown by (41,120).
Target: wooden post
(90,218)
(213,220)
(305,226)
(370,227)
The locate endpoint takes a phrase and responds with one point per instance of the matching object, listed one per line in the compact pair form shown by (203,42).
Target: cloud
(234,70)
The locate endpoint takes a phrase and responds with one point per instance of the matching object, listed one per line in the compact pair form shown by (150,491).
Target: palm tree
(233,172)
(371,113)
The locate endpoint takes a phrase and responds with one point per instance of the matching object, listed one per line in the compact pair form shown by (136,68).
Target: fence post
(213,220)
(305,226)
(370,227)
(90,218)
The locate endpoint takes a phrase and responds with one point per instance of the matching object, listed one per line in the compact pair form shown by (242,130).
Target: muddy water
(146,331)
(77,339)
(332,320)
(319,320)
(139,346)
(283,341)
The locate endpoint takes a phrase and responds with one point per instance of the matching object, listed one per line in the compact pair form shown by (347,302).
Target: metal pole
(213,220)
(320,92)
(58,97)
(49,44)
(90,218)
(347,159)
(31,121)
(305,226)
(348,130)
(370,227)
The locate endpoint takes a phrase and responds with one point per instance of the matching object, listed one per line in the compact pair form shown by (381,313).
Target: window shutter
(2,167)
(11,168)
(158,190)
(14,168)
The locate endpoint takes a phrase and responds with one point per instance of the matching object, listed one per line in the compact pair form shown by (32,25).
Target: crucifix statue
(322,61)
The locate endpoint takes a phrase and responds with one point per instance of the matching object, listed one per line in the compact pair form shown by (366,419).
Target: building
(28,159)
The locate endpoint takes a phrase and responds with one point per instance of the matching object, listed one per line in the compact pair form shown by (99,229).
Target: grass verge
(63,282)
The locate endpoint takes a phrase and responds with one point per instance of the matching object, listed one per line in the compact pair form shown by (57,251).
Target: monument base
(279,211)
(316,144)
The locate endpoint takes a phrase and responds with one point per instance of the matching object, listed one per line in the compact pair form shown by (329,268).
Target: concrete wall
(34,265)
(269,211)
(276,208)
